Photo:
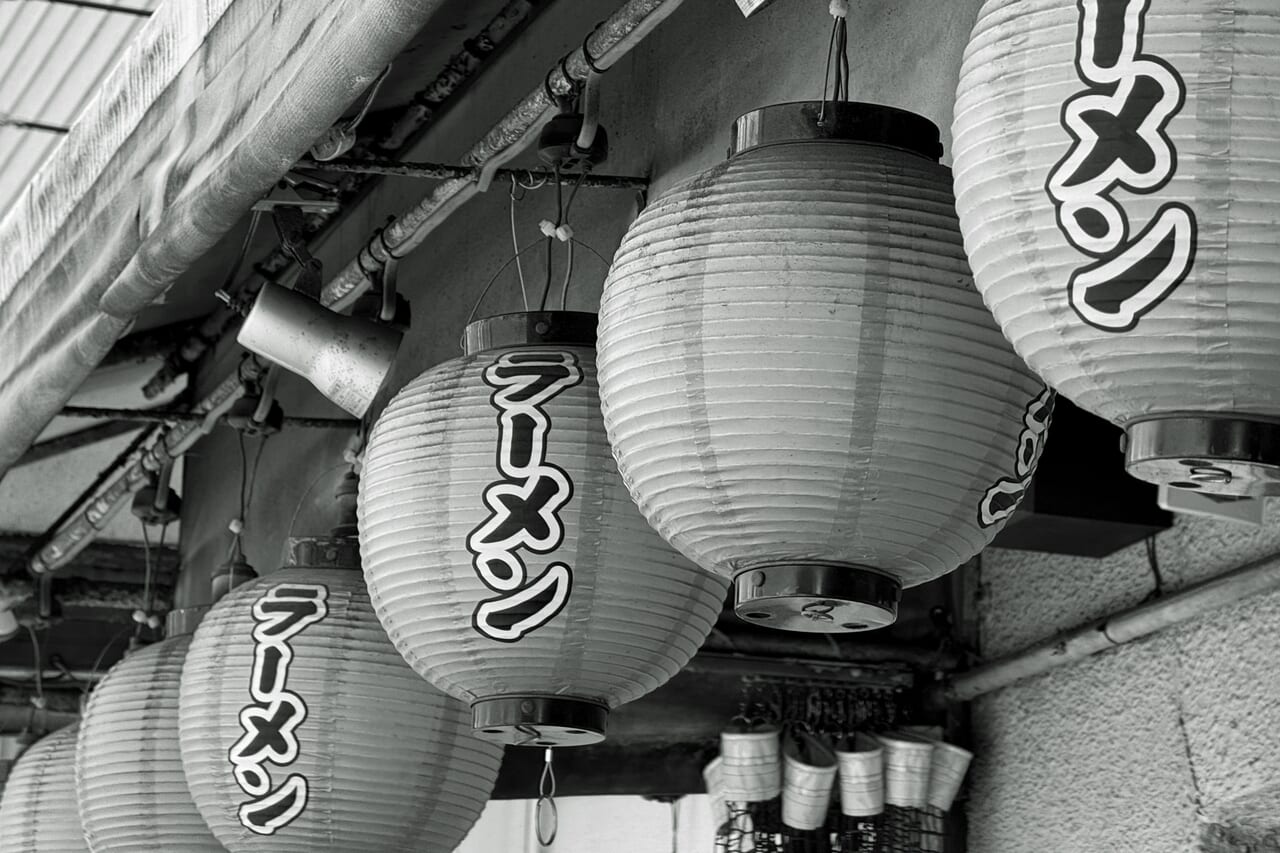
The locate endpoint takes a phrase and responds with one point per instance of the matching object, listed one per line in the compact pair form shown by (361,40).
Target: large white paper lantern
(503,554)
(132,793)
(1117,183)
(38,811)
(303,730)
(803,389)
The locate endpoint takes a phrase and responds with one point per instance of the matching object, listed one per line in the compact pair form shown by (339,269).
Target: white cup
(751,764)
(950,763)
(862,778)
(809,776)
(908,761)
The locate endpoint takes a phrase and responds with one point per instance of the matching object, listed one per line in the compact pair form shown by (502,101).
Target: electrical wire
(1153,561)
(146,579)
(254,221)
(568,272)
(551,240)
(39,667)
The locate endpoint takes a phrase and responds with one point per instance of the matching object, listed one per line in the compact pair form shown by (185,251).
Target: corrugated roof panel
(52,59)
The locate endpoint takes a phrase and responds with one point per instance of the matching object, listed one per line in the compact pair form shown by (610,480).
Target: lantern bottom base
(1214,454)
(817,598)
(539,721)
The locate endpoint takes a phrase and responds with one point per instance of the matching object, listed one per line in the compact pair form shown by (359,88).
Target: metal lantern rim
(530,328)
(540,721)
(1219,454)
(324,552)
(183,621)
(816,597)
(854,122)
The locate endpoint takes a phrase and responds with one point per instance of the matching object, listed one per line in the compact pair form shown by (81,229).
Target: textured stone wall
(1158,747)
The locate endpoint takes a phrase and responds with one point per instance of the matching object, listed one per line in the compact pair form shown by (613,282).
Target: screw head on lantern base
(539,721)
(1219,455)
(816,598)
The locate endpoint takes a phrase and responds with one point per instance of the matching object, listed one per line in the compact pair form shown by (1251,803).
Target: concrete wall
(1133,751)
(1157,747)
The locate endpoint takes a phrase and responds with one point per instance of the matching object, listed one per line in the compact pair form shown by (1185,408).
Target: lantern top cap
(184,620)
(531,328)
(835,121)
(324,552)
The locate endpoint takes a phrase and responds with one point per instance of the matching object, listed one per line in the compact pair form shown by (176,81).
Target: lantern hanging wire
(837,50)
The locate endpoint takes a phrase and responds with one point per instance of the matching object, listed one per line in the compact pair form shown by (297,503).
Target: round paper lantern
(803,390)
(303,730)
(503,554)
(133,795)
(38,812)
(1116,185)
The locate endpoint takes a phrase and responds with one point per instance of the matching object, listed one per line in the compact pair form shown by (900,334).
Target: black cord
(551,241)
(1153,560)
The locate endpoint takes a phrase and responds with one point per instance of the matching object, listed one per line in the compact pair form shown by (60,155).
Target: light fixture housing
(345,358)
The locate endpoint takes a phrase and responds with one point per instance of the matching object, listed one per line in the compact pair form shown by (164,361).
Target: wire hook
(547,803)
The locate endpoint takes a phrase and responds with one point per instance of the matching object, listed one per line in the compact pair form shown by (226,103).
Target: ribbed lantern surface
(503,554)
(1116,183)
(303,730)
(802,387)
(132,792)
(38,811)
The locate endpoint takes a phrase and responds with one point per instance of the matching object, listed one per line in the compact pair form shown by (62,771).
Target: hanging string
(489,285)
(515,245)
(547,803)
(675,826)
(97,662)
(247,483)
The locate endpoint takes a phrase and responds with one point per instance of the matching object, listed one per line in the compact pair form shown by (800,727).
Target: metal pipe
(626,28)
(28,124)
(26,673)
(74,441)
(103,7)
(89,516)
(441,171)
(161,416)
(1254,578)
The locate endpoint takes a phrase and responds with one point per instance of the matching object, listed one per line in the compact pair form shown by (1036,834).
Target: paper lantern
(132,793)
(1116,185)
(503,554)
(303,730)
(803,390)
(38,812)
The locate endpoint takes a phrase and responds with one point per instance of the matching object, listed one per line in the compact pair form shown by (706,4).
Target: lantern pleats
(38,812)
(132,793)
(795,366)
(1133,343)
(637,611)
(389,763)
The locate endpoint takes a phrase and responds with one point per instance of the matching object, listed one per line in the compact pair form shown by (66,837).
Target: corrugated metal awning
(52,59)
